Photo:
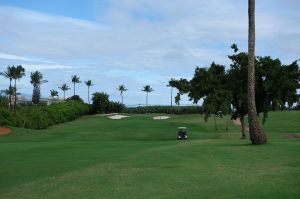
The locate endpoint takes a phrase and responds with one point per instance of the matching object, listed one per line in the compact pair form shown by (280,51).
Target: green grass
(137,157)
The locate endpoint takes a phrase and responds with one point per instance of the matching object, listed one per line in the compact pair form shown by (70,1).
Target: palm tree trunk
(74,88)
(10,93)
(146,98)
(242,120)
(64,95)
(15,102)
(257,136)
(89,94)
(122,97)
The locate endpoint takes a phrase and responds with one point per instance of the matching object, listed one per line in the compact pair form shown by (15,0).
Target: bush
(40,117)
(4,101)
(100,102)
(177,110)
(115,107)
(74,98)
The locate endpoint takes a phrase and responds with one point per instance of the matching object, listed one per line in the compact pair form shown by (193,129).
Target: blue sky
(136,42)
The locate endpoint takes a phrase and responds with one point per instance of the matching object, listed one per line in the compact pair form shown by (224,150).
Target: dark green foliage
(75,98)
(115,107)
(177,110)
(100,102)
(3,101)
(40,117)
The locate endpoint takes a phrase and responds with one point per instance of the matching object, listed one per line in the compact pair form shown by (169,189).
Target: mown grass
(137,157)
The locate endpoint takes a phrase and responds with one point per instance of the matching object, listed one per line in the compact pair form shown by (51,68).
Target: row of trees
(225,92)
(14,73)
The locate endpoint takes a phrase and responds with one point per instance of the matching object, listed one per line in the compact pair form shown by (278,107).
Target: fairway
(138,157)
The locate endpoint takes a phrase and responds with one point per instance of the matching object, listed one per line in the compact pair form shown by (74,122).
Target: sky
(136,42)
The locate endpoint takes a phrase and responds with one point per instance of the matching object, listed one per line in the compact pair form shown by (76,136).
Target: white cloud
(12,57)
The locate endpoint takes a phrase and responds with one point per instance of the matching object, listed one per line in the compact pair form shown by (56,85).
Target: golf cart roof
(182,127)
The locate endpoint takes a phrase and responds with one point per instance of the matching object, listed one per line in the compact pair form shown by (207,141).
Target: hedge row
(40,117)
(177,110)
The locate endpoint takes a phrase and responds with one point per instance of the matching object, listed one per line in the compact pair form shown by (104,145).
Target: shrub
(40,117)
(100,102)
(178,110)
(3,101)
(115,107)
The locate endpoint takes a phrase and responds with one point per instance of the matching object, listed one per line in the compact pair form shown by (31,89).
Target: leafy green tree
(89,84)
(147,89)
(9,75)
(122,89)
(53,93)
(17,73)
(100,102)
(64,88)
(36,81)
(290,84)
(75,80)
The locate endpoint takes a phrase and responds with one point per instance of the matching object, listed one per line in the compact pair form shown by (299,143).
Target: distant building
(54,100)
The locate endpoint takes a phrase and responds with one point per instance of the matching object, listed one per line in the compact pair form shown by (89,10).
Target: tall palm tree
(36,81)
(89,84)
(9,75)
(17,73)
(64,88)
(75,80)
(122,89)
(147,89)
(53,93)
(257,136)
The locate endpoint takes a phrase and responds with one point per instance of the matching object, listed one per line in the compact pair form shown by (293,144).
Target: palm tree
(36,81)
(9,92)
(257,136)
(89,84)
(17,73)
(122,89)
(75,80)
(64,88)
(147,89)
(53,93)
(9,75)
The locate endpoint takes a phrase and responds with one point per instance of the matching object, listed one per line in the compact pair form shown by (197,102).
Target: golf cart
(182,134)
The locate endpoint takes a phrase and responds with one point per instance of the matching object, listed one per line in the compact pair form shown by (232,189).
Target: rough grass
(139,157)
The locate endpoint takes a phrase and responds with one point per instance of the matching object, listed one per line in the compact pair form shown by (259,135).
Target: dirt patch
(293,135)
(4,130)
(161,117)
(238,123)
(117,117)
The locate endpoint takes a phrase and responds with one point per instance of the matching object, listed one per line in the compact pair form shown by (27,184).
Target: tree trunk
(122,97)
(15,102)
(171,97)
(215,122)
(64,95)
(74,88)
(257,136)
(242,120)
(10,93)
(89,94)
(146,98)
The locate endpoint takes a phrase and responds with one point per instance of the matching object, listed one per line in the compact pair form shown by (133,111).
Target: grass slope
(138,157)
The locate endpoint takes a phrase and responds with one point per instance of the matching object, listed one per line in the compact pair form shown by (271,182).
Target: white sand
(117,117)
(161,117)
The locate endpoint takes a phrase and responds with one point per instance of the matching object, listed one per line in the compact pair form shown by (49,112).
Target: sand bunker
(161,117)
(117,117)
(4,130)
